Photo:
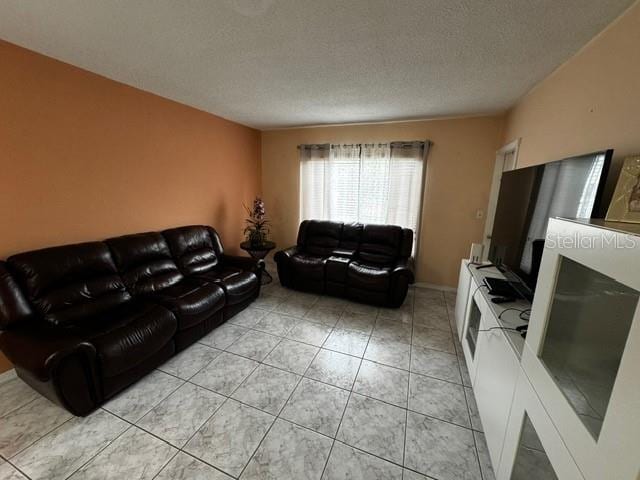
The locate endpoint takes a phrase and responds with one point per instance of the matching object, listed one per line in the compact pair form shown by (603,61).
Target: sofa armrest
(401,277)
(40,350)
(404,267)
(249,264)
(14,307)
(286,253)
(57,364)
(284,264)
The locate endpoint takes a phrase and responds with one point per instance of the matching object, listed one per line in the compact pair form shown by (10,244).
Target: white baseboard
(8,375)
(432,286)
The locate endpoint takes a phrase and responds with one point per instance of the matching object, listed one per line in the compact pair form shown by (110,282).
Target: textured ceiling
(276,63)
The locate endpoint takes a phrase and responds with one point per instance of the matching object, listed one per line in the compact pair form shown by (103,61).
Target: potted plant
(257,225)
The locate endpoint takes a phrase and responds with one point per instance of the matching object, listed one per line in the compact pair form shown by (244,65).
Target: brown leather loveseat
(363,262)
(82,322)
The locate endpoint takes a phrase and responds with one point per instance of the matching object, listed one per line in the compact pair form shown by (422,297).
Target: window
(367,183)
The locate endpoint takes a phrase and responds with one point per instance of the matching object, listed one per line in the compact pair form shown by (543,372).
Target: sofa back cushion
(145,262)
(14,307)
(195,249)
(380,244)
(351,236)
(320,237)
(69,284)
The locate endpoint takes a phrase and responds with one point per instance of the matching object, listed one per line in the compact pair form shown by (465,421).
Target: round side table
(259,252)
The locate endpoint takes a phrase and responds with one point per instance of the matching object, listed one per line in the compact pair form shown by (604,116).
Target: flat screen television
(528,197)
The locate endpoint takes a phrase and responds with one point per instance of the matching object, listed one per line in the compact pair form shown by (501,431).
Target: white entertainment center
(564,402)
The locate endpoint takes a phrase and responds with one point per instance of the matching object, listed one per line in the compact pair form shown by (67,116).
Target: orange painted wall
(84,158)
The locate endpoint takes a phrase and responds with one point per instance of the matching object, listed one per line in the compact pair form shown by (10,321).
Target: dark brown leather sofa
(367,263)
(82,322)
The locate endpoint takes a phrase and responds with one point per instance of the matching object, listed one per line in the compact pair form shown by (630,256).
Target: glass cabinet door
(582,349)
(533,449)
(473,326)
(589,322)
(532,462)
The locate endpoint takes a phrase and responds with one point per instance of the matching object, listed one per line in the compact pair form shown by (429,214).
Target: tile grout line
(464,390)
(131,424)
(345,390)
(37,439)
(279,413)
(351,391)
(406,418)
(346,405)
(204,461)
(181,449)
(18,469)
(162,440)
(15,409)
(361,359)
(408,395)
(93,456)
(301,377)
(371,334)
(229,397)
(9,459)
(166,464)
(103,448)
(466,397)
(100,450)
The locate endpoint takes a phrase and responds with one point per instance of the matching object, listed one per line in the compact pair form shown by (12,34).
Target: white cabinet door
(462,297)
(475,310)
(497,369)
(582,353)
(533,449)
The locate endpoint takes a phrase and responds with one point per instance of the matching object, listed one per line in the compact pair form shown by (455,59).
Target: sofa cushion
(351,235)
(196,248)
(72,284)
(309,267)
(223,273)
(380,244)
(321,237)
(368,277)
(127,335)
(145,262)
(191,300)
(238,284)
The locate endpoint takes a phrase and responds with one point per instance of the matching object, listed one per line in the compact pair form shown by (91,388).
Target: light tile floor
(295,387)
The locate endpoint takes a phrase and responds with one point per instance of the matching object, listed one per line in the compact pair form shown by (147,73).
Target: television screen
(528,197)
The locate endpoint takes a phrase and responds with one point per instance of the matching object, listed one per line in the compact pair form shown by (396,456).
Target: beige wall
(590,103)
(459,169)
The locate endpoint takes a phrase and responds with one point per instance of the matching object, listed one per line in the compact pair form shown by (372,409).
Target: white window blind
(367,183)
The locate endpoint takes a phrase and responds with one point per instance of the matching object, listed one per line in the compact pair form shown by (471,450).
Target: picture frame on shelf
(625,203)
